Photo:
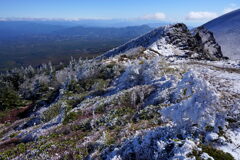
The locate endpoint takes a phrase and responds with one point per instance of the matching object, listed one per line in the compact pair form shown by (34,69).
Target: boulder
(209,47)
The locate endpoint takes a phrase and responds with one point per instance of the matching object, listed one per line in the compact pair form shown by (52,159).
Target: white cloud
(155,16)
(231,8)
(201,15)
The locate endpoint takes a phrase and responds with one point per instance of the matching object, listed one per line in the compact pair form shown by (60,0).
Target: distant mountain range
(89,22)
(101,32)
(226,30)
(25,43)
(32,42)
(12,29)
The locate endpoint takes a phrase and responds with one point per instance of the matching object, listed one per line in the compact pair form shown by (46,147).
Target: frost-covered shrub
(145,72)
(197,106)
(88,69)
(65,76)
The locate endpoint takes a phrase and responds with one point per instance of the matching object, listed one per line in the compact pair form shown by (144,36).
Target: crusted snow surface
(232,145)
(199,106)
(157,144)
(205,156)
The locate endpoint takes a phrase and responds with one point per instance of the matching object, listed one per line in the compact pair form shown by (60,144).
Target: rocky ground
(169,94)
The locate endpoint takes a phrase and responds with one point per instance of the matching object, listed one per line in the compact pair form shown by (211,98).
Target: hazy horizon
(140,12)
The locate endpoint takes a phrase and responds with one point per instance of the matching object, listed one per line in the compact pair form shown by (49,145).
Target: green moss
(21,148)
(217,154)
(4,113)
(195,154)
(72,116)
(82,153)
(95,84)
(125,100)
(185,91)
(107,71)
(12,152)
(109,139)
(145,115)
(170,70)
(51,95)
(123,111)
(101,84)
(209,128)
(76,99)
(52,112)
(220,132)
(231,120)
(13,135)
(54,135)
(100,109)
(44,147)
(75,87)
(84,126)
(87,84)
(149,114)
(6,154)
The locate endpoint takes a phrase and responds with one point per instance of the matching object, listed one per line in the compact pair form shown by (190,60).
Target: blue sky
(188,11)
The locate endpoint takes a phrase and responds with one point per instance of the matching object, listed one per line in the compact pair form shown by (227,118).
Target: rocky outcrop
(209,46)
(200,44)
(179,36)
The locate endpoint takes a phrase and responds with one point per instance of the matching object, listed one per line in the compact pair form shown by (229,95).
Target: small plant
(100,84)
(209,128)
(77,98)
(109,139)
(185,91)
(21,148)
(82,153)
(84,127)
(221,131)
(123,111)
(195,154)
(13,135)
(52,112)
(231,120)
(75,87)
(72,116)
(100,109)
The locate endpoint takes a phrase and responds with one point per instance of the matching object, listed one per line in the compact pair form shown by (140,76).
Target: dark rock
(208,43)
(180,36)
(201,42)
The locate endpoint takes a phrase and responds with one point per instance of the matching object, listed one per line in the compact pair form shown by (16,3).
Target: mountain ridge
(226,31)
(169,94)
(178,35)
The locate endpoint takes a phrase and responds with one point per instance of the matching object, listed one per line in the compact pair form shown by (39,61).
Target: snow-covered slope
(161,96)
(199,45)
(226,30)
